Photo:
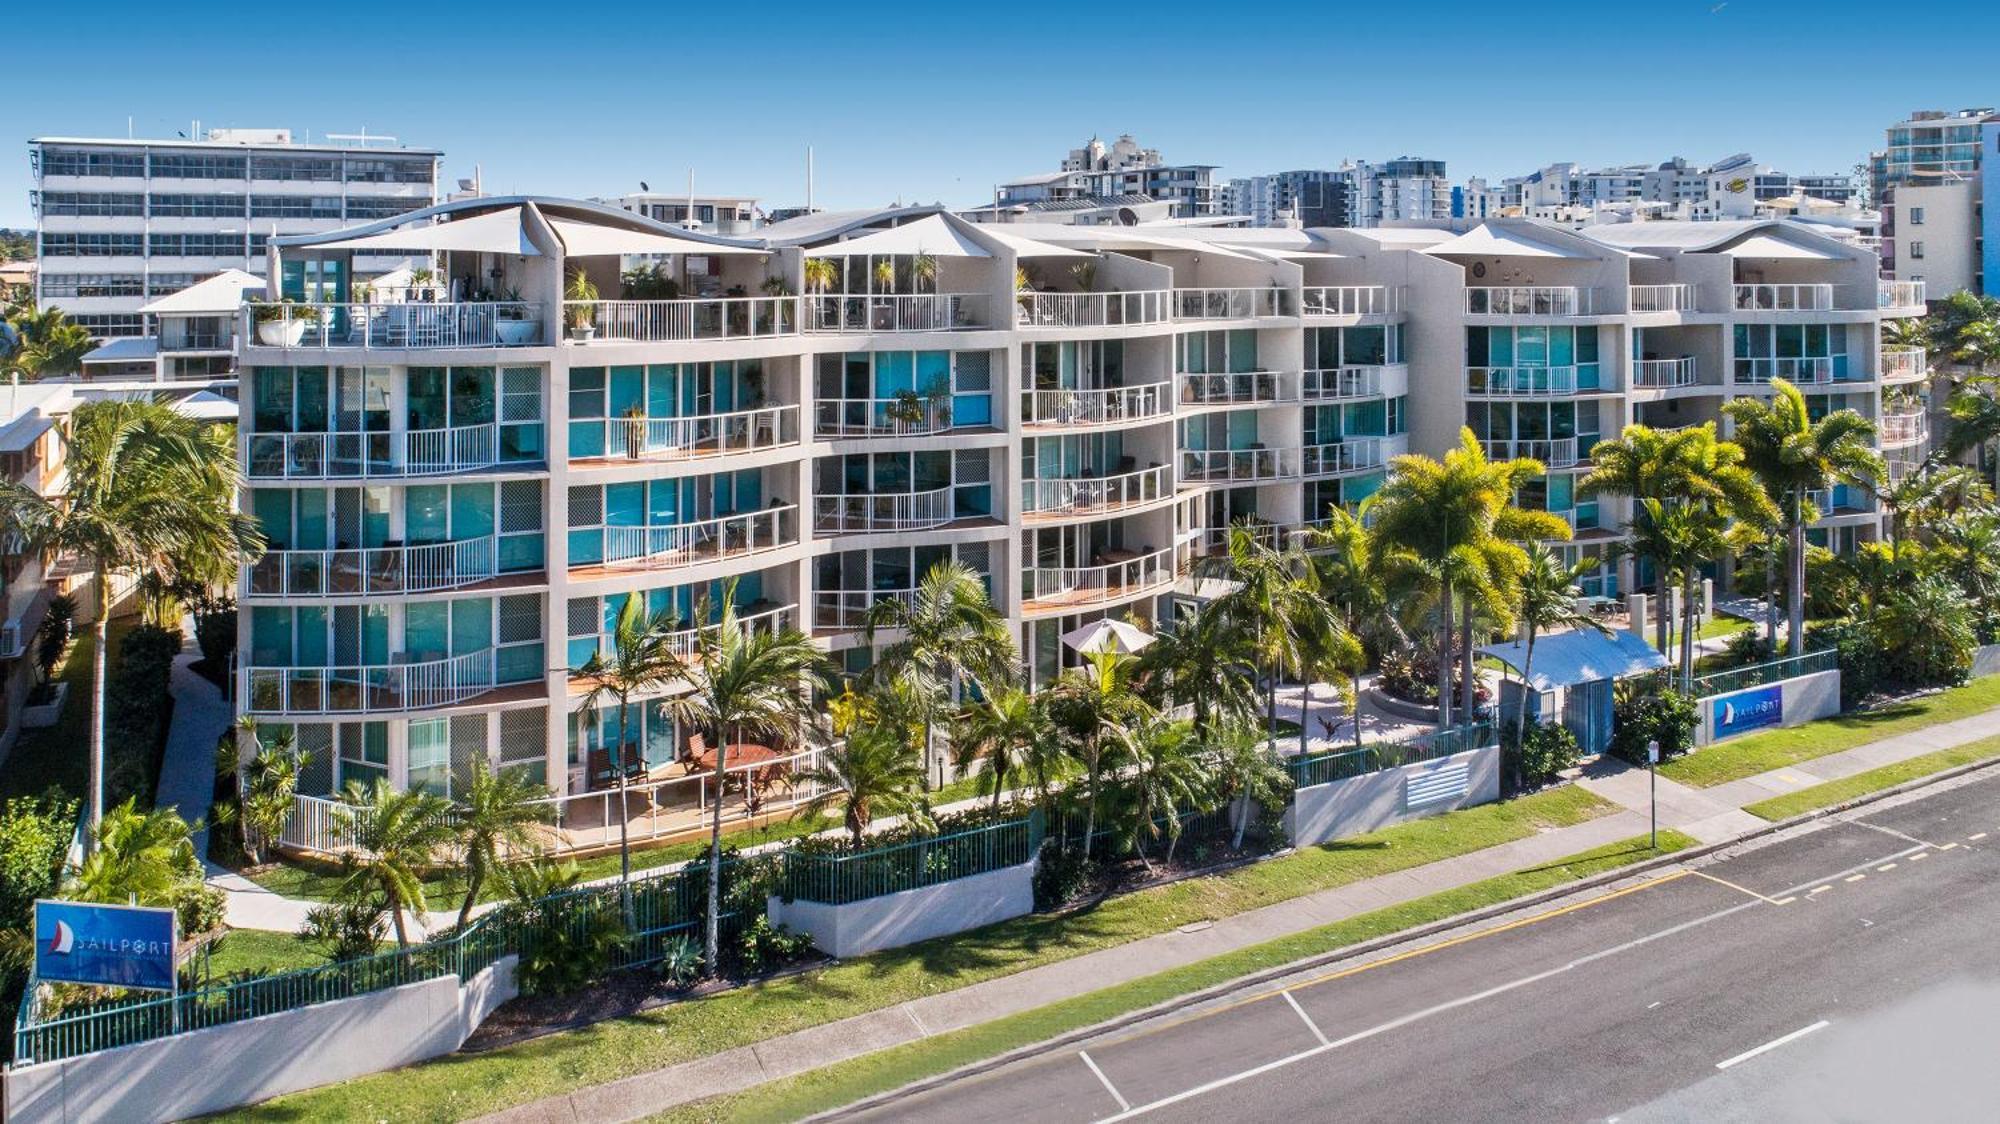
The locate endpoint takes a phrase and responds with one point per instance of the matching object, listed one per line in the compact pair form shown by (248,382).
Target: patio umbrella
(1107,636)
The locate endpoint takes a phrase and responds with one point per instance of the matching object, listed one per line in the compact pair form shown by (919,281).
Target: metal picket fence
(1757,675)
(1329,766)
(839,878)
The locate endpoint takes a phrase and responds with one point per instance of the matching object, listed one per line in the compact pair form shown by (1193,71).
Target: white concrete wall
(1362,804)
(1807,698)
(894,920)
(222,1067)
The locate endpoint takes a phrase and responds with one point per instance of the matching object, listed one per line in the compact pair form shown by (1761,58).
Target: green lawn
(244,951)
(830,1087)
(469,1085)
(1874,780)
(1775,749)
(58,756)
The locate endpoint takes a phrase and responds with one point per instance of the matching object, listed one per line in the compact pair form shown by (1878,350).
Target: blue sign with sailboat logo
(111,945)
(1748,710)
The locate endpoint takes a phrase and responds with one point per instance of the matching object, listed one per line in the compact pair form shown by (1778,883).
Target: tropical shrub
(200,907)
(680,962)
(1863,665)
(1651,710)
(1060,876)
(347,930)
(766,947)
(138,706)
(34,836)
(1548,749)
(1747,647)
(1924,630)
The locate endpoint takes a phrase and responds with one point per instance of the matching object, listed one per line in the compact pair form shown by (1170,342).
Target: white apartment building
(461,496)
(1098,172)
(1734,187)
(120,222)
(730,215)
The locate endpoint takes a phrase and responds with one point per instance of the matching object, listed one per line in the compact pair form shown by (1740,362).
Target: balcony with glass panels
(321,423)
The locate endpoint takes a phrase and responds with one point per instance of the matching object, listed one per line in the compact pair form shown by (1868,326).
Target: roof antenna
(809,179)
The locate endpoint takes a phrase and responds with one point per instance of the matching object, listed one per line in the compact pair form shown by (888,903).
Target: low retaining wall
(1986,660)
(204,1071)
(894,920)
(1788,702)
(1324,812)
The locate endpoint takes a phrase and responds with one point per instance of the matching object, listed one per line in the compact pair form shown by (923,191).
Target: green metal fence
(1342,764)
(1757,675)
(837,879)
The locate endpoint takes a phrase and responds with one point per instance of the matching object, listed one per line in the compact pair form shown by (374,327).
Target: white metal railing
(1218,388)
(1901,364)
(1528,300)
(894,312)
(369,571)
(1232,304)
(413,325)
(882,511)
(871,417)
(1092,310)
(683,642)
(1096,406)
(1323,383)
(843,609)
(1903,295)
(1522,381)
(1803,370)
(1784,298)
(1096,494)
(1823,501)
(1905,427)
(1663,298)
(1353,454)
(1238,466)
(416,452)
(670,321)
(1065,588)
(674,545)
(368,689)
(1351,300)
(1663,373)
(704,435)
(1553,452)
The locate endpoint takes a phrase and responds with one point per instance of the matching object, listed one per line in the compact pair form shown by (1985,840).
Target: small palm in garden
(1167,775)
(498,815)
(398,836)
(874,773)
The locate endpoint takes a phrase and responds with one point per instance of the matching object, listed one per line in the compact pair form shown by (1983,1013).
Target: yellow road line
(1854,878)
(1946,846)
(1734,886)
(1885,867)
(1975,837)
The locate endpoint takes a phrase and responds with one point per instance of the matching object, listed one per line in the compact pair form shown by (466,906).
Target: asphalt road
(1847,971)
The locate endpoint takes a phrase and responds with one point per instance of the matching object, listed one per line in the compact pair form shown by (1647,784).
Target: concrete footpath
(1710,815)
(187,768)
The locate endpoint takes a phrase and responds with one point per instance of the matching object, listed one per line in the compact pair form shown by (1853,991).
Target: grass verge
(459,1086)
(1874,780)
(1775,749)
(242,952)
(846,1082)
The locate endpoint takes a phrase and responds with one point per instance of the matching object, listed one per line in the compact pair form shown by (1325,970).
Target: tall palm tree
(821,274)
(1344,558)
(1203,660)
(746,683)
(1973,411)
(874,772)
(50,343)
(397,836)
(1008,729)
(1088,706)
(1548,591)
(498,813)
(642,660)
(1167,773)
(1791,454)
(1276,603)
(144,489)
(950,634)
(1454,523)
(1927,496)
(1685,538)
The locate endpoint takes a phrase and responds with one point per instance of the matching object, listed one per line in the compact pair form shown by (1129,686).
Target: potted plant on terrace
(906,410)
(635,430)
(284,324)
(514,322)
(582,309)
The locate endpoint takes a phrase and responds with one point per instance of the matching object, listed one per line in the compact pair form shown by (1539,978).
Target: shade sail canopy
(1584,655)
(204,406)
(494,232)
(221,294)
(1107,635)
(1487,240)
(928,235)
(1764,245)
(1028,247)
(589,239)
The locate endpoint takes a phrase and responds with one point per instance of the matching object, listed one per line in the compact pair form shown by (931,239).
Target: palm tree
(397,836)
(1925,497)
(1010,731)
(1974,413)
(50,343)
(144,489)
(873,773)
(272,783)
(1344,557)
(747,683)
(1203,660)
(821,274)
(1792,455)
(1547,591)
(1167,774)
(138,857)
(497,813)
(642,660)
(1088,706)
(1684,538)
(950,634)
(1454,524)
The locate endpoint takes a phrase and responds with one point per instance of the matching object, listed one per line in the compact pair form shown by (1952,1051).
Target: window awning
(587,239)
(1583,655)
(495,232)
(1763,245)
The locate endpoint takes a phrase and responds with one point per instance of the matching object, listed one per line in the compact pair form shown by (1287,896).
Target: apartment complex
(1929,179)
(460,497)
(710,214)
(1734,187)
(1406,189)
(1120,170)
(120,222)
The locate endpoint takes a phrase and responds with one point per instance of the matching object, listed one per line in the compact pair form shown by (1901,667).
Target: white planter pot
(514,333)
(281,333)
(47,714)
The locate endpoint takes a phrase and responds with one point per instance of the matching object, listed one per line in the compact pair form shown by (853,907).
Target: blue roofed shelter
(1572,676)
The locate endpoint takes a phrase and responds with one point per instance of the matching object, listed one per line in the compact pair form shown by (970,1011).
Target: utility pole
(1653,783)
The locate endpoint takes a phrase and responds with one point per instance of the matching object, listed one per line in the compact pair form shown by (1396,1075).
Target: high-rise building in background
(1356,194)
(1929,180)
(1097,174)
(1734,187)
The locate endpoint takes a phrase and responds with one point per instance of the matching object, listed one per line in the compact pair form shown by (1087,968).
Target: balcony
(881,417)
(1104,406)
(373,571)
(1529,300)
(1091,496)
(1904,427)
(1327,384)
(1237,388)
(1520,382)
(1238,466)
(683,642)
(1900,296)
(1352,454)
(681,321)
(411,326)
(1834,502)
(679,545)
(680,439)
(1350,301)
(843,610)
(1804,371)
(1232,304)
(1553,452)
(1663,374)
(1049,590)
(1663,298)
(1904,364)
(1783,298)
(383,454)
(838,313)
(1092,310)
(369,689)
(877,512)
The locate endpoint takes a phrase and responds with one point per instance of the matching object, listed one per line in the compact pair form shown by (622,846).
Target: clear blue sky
(934,102)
